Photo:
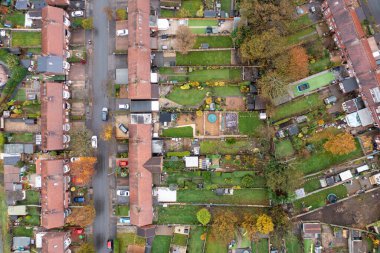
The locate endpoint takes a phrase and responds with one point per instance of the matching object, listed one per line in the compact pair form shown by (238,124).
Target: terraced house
(356,54)
(55,197)
(54,116)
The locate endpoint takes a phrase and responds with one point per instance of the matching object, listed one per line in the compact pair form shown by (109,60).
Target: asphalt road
(98,74)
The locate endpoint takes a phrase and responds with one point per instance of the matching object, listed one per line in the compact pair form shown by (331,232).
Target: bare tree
(185,39)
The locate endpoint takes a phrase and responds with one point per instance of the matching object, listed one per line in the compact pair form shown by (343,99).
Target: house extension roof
(11,176)
(53,31)
(139,50)
(50,64)
(140,151)
(312,228)
(53,242)
(52,193)
(52,116)
(58,2)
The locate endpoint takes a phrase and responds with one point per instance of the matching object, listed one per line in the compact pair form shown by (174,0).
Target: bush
(247,181)
(121,14)
(178,154)
(206,176)
(230,141)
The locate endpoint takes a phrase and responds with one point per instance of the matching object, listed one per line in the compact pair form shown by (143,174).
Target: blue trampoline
(212,118)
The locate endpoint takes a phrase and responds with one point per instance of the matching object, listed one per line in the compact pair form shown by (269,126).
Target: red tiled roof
(139,50)
(140,179)
(58,2)
(52,116)
(11,175)
(358,50)
(53,31)
(54,242)
(53,194)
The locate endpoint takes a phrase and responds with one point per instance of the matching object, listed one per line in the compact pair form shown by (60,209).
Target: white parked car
(123,32)
(122,193)
(94,141)
(77,14)
(124,106)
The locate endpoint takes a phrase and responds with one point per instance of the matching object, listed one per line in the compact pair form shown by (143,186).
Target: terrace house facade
(54,116)
(356,53)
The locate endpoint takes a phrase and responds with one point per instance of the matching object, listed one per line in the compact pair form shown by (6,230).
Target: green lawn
(203,22)
(21,138)
(210,147)
(312,185)
(243,196)
(300,22)
(195,243)
(293,245)
(177,214)
(319,199)
(308,246)
(5,236)
(204,58)
(227,91)
(22,231)
(314,83)
(125,239)
(226,6)
(284,148)
(302,35)
(323,160)
(20,95)
(197,30)
(214,245)
(228,75)
(32,198)
(297,106)
(161,244)
(17,19)
(164,13)
(192,6)
(249,123)
(320,65)
(261,246)
(189,97)
(179,239)
(26,39)
(32,220)
(122,210)
(214,41)
(178,132)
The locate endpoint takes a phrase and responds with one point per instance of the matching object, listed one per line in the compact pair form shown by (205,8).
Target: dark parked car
(78,199)
(123,128)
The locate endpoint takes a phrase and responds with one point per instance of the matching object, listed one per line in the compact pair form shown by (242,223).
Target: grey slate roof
(50,64)
(18,148)
(350,84)
(11,160)
(22,4)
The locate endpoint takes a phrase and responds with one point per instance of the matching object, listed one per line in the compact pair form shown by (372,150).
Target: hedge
(178,154)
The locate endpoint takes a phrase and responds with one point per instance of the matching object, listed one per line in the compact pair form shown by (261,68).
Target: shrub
(203,216)
(206,176)
(121,14)
(247,181)
(230,141)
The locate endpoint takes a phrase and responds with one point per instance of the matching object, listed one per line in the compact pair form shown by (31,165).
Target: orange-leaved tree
(83,169)
(341,144)
(298,63)
(82,216)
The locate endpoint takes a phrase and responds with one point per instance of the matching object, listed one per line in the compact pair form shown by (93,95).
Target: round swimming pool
(211,118)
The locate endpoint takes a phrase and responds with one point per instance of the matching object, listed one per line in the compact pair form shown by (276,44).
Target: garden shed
(191,161)
(17,210)
(346,175)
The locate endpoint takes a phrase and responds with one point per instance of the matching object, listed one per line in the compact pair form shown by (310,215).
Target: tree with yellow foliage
(341,144)
(223,226)
(82,217)
(107,132)
(83,169)
(264,224)
(249,225)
